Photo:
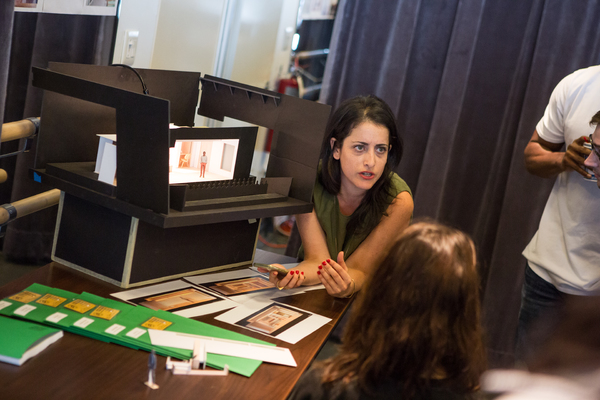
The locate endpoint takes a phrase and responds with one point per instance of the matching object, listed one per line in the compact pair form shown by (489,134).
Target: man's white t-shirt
(565,251)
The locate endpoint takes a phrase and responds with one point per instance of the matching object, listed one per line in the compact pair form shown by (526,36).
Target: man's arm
(544,159)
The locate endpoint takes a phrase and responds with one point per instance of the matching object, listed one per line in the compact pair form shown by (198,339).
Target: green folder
(138,334)
(20,340)
(52,312)
(37,289)
(76,317)
(48,304)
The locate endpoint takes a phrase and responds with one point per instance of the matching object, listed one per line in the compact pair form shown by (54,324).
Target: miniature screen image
(273,320)
(202,160)
(176,300)
(26,3)
(240,286)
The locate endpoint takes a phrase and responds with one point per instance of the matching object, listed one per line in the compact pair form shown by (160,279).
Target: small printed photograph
(273,320)
(176,300)
(26,3)
(239,286)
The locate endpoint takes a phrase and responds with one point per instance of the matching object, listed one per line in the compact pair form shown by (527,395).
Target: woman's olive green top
(334,223)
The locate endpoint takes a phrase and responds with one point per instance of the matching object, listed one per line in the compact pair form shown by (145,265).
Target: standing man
(203,161)
(563,258)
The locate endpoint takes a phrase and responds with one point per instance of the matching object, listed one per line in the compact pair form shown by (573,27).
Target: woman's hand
(293,279)
(334,276)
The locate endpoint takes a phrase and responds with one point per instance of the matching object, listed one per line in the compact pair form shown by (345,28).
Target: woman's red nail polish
(320,267)
(328,260)
(318,272)
(297,272)
(324,263)
(302,272)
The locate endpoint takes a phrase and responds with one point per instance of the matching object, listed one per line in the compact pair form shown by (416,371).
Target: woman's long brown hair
(418,318)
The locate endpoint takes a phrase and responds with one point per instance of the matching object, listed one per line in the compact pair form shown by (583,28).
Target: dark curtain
(37,39)
(468,81)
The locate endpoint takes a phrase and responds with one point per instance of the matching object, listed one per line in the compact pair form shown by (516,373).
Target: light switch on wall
(130,46)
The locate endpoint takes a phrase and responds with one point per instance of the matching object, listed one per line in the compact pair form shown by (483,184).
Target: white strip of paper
(270,354)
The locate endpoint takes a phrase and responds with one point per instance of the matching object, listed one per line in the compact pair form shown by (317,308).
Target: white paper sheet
(103,139)
(291,334)
(222,304)
(108,165)
(270,354)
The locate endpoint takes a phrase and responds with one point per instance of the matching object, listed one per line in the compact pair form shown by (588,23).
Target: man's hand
(575,156)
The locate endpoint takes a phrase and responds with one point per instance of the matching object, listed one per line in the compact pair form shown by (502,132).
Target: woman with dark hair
(361,205)
(420,339)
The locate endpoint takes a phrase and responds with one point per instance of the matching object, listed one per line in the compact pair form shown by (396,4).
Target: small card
(114,329)
(25,296)
(156,323)
(83,322)
(81,306)
(51,300)
(105,313)
(4,304)
(136,332)
(24,310)
(56,317)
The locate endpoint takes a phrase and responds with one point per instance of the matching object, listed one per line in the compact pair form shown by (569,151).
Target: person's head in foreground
(593,160)
(416,325)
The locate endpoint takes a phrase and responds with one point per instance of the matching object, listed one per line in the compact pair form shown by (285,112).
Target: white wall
(214,162)
(188,35)
(142,16)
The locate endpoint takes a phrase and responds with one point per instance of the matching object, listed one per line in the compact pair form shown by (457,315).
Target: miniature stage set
(139,224)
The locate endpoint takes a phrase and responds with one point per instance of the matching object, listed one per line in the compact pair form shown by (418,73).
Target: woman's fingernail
(320,267)
(302,272)
(324,263)
(318,272)
(328,260)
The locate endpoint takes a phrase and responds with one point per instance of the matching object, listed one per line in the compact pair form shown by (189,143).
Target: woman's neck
(349,202)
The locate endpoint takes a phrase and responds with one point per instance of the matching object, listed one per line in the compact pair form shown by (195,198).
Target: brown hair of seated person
(418,318)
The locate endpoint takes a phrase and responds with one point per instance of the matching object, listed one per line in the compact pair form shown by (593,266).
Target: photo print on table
(240,286)
(176,300)
(273,319)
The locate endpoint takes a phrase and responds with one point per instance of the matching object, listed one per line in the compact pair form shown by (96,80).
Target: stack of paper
(20,340)
(117,322)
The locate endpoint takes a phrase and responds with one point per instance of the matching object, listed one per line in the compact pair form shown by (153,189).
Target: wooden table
(77,367)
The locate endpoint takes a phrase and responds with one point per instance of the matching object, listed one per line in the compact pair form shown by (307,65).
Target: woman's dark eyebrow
(366,144)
